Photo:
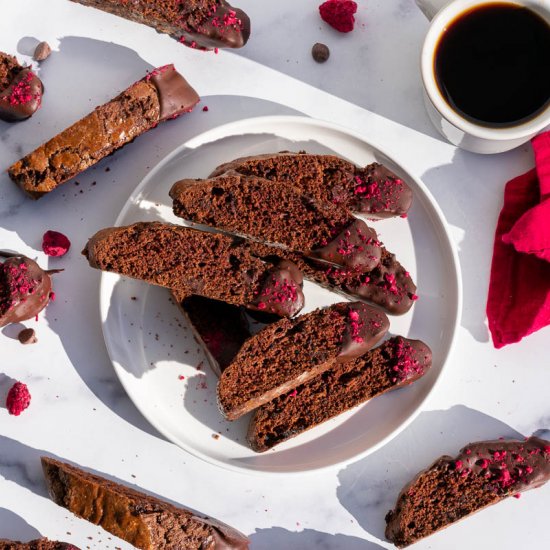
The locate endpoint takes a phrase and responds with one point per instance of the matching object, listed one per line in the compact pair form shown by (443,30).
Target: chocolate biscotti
(38,544)
(142,520)
(278,213)
(204,24)
(395,363)
(161,95)
(374,190)
(451,489)
(289,352)
(20,90)
(196,262)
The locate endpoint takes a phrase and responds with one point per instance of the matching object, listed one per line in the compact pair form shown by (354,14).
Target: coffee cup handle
(430,7)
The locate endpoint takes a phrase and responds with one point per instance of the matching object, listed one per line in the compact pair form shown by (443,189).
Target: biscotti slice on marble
(451,489)
(373,190)
(20,90)
(288,353)
(197,262)
(203,24)
(142,520)
(395,363)
(219,327)
(161,95)
(38,544)
(279,214)
(389,285)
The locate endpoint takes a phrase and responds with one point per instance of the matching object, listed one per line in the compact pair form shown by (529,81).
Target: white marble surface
(79,410)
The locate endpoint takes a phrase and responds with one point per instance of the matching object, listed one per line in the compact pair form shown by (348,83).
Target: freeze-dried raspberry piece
(55,244)
(339,14)
(19,398)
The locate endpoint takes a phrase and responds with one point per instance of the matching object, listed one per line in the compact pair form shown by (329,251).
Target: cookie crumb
(320,52)
(27,336)
(42,51)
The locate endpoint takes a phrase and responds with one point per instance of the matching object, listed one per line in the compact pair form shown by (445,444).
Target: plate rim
(232,129)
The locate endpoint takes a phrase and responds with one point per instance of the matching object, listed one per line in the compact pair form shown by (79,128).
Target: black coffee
(492,64)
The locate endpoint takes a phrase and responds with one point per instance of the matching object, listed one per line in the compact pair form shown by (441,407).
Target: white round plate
(152,347)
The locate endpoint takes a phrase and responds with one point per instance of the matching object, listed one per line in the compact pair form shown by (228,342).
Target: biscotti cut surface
(278,213)
(20,90)
(288,353)
(38,544)
(395,363)
(197,262)
(373,190)
(142,520)
(482,474)
(162,94)
(203,24)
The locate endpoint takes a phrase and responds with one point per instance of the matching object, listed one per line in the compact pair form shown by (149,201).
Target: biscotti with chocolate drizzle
(373,190)
(453,488)
(277,213)
(38,544)
(290,352)
(395,363)
(142,520)
(197,262)
(161,95)
(20,90)
(203,24)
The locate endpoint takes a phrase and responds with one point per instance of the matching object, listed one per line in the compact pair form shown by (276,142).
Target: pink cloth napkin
(519,288)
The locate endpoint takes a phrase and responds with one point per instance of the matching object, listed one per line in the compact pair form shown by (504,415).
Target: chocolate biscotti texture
(161,95)
(196,262)
(38,544)
(142,520)
(203,24)
(395,363)
(278,213)
(288,353)
(20,90)
(451,489)
(374,190)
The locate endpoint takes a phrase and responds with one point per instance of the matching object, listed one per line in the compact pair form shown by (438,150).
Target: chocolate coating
(37,544)
(224,536)
(24,289)
(356,247)
(281,291)
(22,97)
(366,326)
(175,94)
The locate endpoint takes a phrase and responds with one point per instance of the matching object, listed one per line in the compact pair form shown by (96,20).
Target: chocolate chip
(27,336)
(320,52)
(42,51)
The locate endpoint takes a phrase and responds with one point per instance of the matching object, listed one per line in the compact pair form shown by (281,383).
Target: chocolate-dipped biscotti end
(25,288)
(161,95)
(20,90)
(201,24)
(482,474)
(38,544)
(395,363)
(142,520)
(292,351)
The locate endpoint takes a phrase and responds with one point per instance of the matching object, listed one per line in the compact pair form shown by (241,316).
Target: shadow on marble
(6,382)
(277,537)
(369,488)
(482,177)
(14,527)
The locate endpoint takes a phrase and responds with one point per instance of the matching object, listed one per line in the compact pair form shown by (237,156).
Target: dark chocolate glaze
(379,193)
(176,96)
(281,291)
(24,289)
(365,327)
(411,359)
(214,32)
(356,247)
(23,105)
(224,536)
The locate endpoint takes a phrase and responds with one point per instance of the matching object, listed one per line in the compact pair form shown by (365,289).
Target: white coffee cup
(456,129)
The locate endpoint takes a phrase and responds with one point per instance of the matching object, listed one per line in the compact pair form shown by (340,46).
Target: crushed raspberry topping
(339,14)
(19,398)
(277,291)
(356,324)
(21,93)
(18,284)
(55,243)
(294,393)
(406,365)
(163,69)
